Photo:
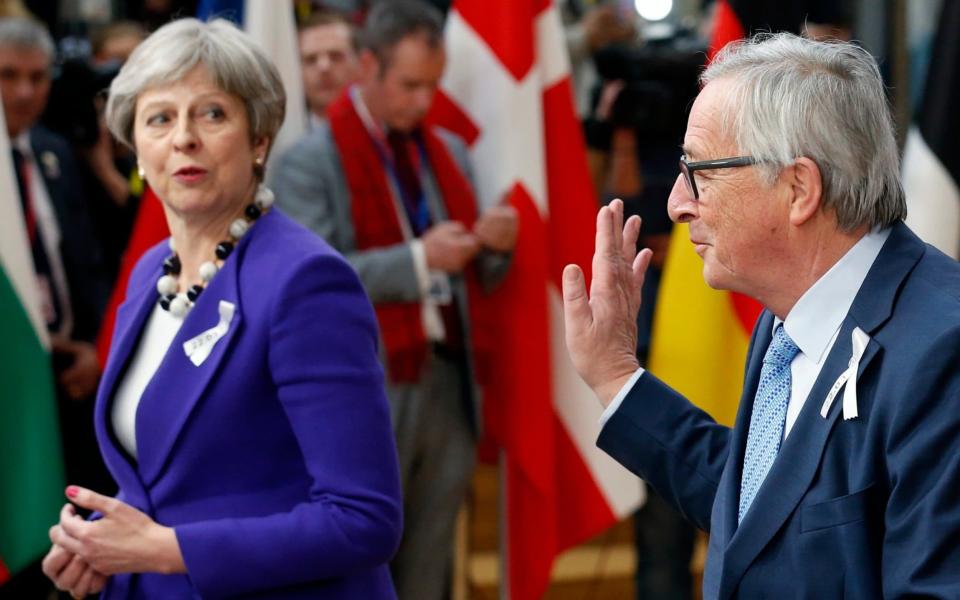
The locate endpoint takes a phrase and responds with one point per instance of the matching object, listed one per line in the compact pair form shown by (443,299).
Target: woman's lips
(190,175)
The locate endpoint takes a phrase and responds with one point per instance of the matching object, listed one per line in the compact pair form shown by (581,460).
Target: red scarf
(376,225)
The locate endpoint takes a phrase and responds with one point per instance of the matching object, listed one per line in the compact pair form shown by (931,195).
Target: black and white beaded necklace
(179,303)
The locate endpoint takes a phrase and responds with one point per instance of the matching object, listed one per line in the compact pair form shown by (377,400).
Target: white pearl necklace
(168,286)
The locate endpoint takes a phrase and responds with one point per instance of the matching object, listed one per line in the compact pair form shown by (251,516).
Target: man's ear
(807,187)
(369,66)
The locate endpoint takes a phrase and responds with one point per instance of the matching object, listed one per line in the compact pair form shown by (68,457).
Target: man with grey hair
(66,258)
(789,185)
(65,253)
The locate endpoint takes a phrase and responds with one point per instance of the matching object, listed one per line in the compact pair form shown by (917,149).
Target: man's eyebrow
(688,152)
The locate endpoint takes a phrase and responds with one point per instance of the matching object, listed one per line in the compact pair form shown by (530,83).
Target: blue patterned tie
(769,413)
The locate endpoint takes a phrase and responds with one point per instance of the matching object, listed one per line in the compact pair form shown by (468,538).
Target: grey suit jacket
(310,185)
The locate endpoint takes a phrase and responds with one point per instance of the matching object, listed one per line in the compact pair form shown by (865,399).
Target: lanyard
(414,207)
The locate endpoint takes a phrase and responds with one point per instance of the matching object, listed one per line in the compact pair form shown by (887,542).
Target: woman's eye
(214,113)
(158,119)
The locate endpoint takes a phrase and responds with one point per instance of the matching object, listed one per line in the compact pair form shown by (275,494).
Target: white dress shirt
(813,323)
(161,328)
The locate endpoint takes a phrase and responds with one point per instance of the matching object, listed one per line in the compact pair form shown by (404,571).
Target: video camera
(72,108)
(661,80)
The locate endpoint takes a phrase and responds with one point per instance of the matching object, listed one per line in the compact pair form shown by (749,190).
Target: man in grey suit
(394,196)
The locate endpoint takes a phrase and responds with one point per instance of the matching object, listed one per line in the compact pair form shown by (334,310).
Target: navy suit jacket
(274,459)
(861,508)
(80,249)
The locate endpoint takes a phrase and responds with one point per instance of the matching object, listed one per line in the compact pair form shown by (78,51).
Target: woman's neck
(195,237)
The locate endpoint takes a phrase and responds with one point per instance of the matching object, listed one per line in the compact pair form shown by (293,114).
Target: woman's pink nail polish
(72,491)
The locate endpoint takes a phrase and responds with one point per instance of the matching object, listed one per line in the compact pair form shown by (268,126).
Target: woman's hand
(69,572)
(124,540)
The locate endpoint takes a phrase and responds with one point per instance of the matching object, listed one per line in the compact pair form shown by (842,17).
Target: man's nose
(24,88)
(681,205)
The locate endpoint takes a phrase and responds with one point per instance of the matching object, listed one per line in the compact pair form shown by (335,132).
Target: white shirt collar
(377,130)
(315,121)
(816,317)
(22,143)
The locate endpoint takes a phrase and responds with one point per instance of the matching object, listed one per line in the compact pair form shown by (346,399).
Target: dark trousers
(664,539)
(664,542)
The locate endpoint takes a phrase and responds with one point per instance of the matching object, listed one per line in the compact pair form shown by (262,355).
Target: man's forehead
(707,131)
(326,34)
(23,58)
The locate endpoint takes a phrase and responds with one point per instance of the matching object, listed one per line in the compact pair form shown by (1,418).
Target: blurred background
(630,72)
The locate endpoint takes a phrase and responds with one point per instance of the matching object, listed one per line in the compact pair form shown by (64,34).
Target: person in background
(588,27)
(242,409)
(329,58)
(113,184)
(70,277)
(394,195)
(114,43)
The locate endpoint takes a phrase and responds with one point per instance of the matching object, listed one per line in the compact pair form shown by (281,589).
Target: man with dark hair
(113,43)
(329,51)
(394,195)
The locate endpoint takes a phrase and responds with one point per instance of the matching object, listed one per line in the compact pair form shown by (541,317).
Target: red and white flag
(507,91)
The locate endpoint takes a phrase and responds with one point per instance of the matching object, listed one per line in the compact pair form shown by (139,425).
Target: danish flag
(507,92)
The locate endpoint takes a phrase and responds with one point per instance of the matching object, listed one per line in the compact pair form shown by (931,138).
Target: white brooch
(51,164)
(198,348)
(848,379)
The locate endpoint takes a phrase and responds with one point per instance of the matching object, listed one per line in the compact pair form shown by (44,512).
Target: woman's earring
(140,172)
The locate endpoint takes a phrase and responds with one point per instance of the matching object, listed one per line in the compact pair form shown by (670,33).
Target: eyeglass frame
(687,169)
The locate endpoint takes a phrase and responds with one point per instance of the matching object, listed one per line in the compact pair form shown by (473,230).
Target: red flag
(149,228)
(507,91)
(727,27)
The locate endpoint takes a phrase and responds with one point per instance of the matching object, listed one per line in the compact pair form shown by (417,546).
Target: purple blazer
(273,460)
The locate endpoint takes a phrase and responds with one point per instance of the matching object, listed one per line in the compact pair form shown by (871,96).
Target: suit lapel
(792,472)
(724,515)
(178,384)
(790,477)
(130,320)
(48,165)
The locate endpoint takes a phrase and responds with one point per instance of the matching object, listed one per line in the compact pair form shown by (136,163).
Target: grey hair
(826,101)
(235,63)
(24,32)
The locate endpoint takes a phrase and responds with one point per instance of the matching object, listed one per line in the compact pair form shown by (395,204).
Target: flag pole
(503,521)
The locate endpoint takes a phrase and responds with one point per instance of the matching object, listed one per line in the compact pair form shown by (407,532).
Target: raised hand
(601,329)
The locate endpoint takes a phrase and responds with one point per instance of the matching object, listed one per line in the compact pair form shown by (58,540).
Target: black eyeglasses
(687,168)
